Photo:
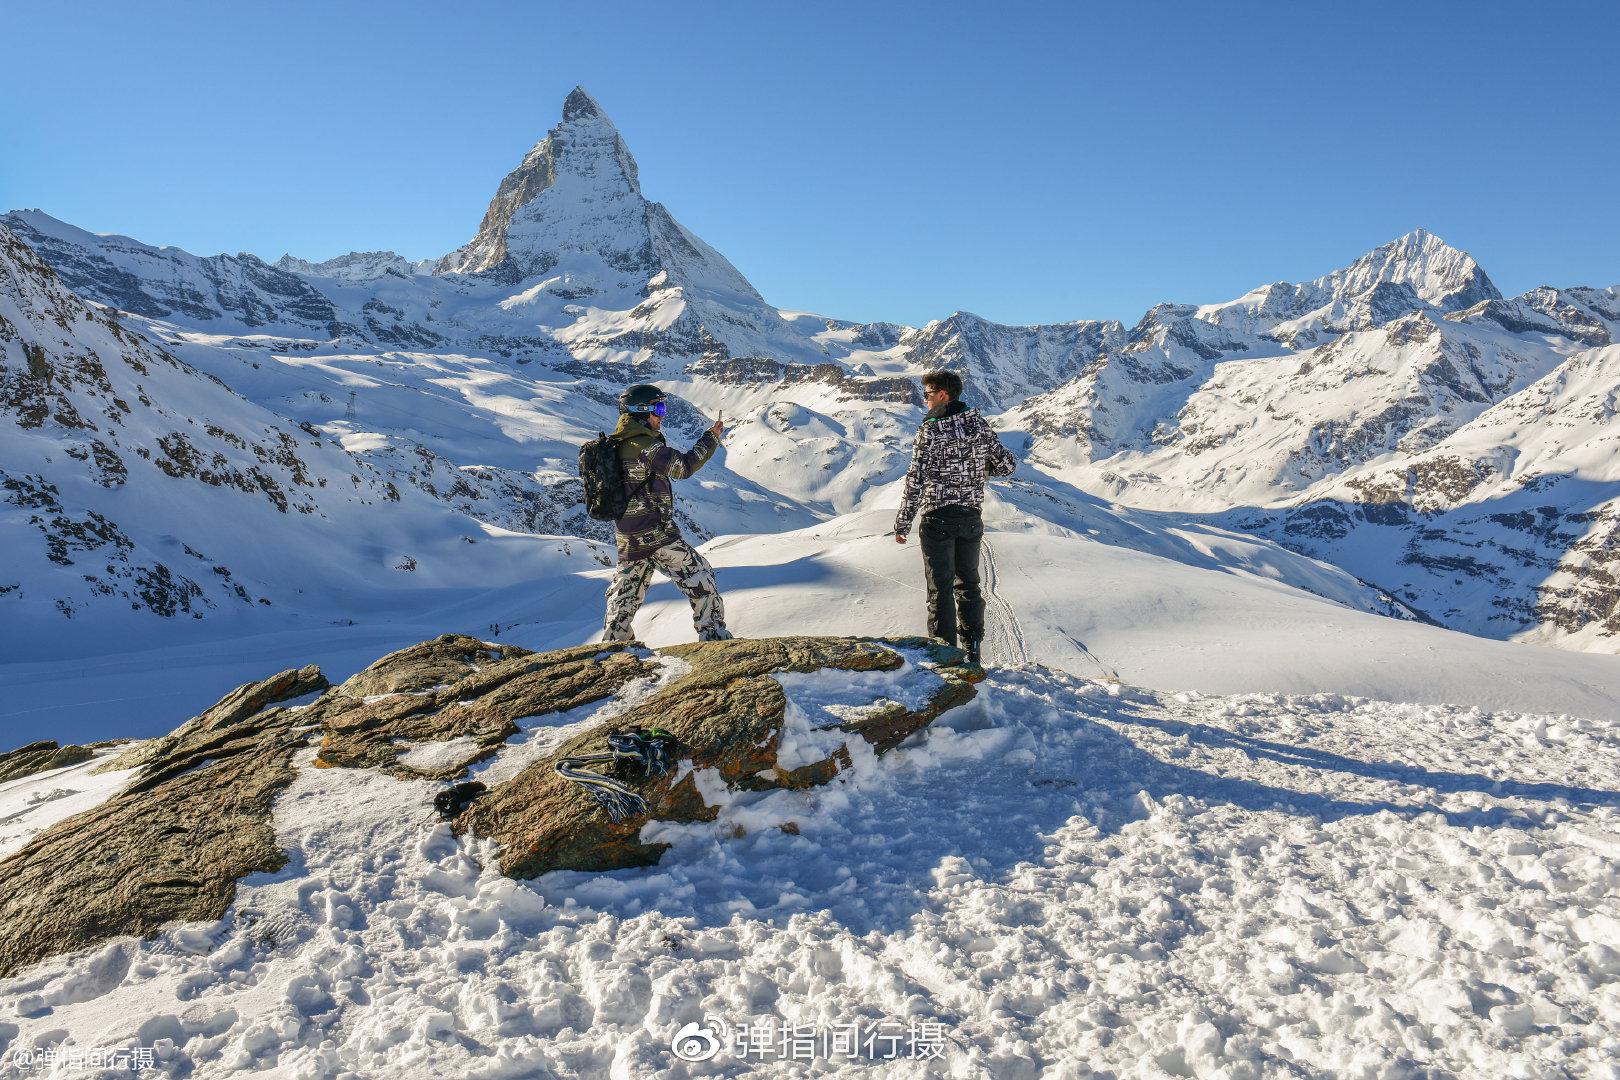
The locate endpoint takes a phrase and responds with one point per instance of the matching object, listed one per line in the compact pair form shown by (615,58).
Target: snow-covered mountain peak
(1436,271)
(1412,271)
(579,105)
(580,178)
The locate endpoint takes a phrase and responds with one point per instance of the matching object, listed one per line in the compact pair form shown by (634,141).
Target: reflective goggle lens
(660,409)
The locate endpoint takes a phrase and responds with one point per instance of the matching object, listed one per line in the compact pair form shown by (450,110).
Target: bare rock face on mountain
(1584,316)
(197,814)
(727,715)
(758,371)
(357,267)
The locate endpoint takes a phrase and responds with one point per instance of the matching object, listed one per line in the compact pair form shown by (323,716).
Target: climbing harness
(650,748)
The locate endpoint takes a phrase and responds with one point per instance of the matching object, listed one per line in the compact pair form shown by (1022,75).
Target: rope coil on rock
(648,747)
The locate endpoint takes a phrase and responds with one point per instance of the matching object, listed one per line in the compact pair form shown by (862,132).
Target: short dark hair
(948,381)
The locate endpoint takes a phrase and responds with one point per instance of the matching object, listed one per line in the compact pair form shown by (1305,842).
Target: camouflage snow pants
(691,573)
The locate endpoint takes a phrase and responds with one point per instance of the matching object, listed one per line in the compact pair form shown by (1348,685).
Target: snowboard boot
(973,652)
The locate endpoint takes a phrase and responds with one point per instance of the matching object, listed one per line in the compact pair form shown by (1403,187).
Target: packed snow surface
(33,803)
(1066,877)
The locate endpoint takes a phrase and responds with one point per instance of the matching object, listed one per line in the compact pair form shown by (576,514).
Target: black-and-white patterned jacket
(949,461)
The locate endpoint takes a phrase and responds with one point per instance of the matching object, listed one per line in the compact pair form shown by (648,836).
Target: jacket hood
(630,427)
(953,424)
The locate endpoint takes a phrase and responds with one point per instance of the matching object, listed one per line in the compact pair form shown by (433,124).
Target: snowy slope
(1507,526)
(1111,597)
(137,493)
(1064,878)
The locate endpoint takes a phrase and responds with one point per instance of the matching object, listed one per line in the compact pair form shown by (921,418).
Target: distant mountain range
(1398,418)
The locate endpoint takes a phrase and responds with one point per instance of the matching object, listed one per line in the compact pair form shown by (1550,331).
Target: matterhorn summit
(581,171)
(574,205)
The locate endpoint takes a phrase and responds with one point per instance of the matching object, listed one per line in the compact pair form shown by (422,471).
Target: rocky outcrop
(197,814)
(173,843)
(460,688)
(727,714)
(41,756)
(197,736)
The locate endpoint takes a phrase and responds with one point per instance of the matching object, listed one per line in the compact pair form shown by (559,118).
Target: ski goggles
(659,408)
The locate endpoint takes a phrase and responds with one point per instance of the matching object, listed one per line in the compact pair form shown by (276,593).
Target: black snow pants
(950,548)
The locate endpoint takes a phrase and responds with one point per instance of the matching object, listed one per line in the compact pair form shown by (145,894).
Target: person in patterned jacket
(647,536)
(954,451)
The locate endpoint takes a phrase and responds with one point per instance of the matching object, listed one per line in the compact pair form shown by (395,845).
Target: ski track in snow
(1077,879)
(1003,634)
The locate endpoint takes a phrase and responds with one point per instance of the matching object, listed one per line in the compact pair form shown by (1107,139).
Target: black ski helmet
(640,398)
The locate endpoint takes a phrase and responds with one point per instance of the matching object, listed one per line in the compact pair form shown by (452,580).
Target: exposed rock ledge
(42,756)
(197,816)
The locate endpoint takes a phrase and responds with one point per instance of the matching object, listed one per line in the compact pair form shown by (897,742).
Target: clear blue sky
(872,160)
